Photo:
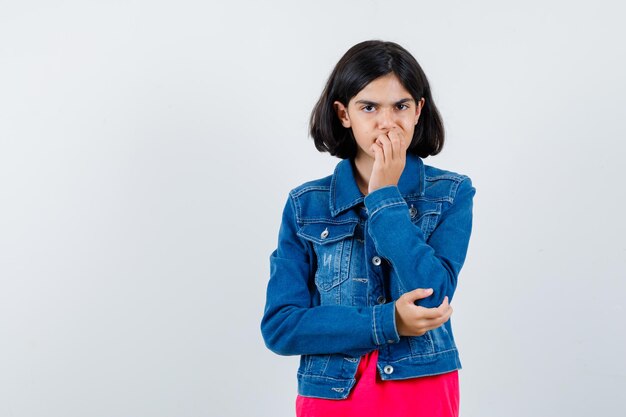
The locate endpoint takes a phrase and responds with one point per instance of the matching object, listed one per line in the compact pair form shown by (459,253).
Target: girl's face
(382,106)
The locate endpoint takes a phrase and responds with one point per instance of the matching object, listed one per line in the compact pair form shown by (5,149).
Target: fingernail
(429,290)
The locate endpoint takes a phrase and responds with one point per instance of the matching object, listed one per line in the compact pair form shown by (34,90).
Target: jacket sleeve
(292,325)
(414,262)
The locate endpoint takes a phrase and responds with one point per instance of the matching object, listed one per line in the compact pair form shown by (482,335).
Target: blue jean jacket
(343,259)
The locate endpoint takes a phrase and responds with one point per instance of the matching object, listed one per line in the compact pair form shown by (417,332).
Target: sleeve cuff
(383,197)
(384,324)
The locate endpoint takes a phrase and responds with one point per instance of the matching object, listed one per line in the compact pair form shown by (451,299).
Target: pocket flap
(421,208)
(323,233)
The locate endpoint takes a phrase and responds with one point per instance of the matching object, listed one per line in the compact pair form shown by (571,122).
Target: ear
(418,109)
(342,114)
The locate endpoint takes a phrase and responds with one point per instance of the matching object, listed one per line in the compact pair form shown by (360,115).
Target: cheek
(408,125)
(360,128)
(409,129)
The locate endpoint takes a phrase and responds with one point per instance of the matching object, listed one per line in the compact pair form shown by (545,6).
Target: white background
(147,149)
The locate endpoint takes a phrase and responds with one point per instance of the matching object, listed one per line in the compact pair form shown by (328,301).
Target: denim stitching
(297,208)
(433,199)
(449,177)
(439,352)
(385,206)
(455,189)
(354,202)
(334,238)
(297,192)
(337,271)
(320,241)
(325,220)
(319,377)
(375,330)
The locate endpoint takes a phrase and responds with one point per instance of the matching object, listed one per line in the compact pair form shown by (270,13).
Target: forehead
(385,88)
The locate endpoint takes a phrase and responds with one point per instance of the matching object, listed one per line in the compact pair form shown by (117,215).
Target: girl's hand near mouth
(389,159)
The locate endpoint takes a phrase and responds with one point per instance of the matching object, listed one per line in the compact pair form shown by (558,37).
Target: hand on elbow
(413,320)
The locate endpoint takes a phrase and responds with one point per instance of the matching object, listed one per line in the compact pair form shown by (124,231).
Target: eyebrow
(373,103)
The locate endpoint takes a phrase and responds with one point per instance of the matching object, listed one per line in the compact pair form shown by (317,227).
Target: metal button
(412,211)
(388,369)
(391,341)
(376,260)
(324,234)
(381,299)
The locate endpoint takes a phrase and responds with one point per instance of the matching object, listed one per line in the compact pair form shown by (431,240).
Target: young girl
(368,257)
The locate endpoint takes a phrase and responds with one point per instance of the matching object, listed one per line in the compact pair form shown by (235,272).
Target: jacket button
(376,260)
(381,299)
(388,369)
(412,211)
(324,234)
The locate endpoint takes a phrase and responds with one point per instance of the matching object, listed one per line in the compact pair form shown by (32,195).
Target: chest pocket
(333,247)
(425,215)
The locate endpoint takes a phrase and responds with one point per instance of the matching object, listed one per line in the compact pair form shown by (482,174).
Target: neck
(363,165)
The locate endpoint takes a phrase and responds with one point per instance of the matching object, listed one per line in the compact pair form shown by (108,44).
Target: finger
(396,143)
(404,141)
(379,142)
(443,319)
(433,324)
(421,323)
(418,294)
(436,321)
(405,146)
(378,145)
(445,306)
(430,313)
(420,327)
(386,143)
(434,312)
(378,152)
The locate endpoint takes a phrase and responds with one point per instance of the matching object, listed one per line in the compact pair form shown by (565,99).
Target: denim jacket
(343,259)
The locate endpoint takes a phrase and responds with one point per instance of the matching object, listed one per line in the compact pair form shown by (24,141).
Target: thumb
(418,294)
(376,150)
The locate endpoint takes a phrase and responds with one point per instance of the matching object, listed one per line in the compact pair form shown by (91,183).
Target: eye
(368,108)
(402,106)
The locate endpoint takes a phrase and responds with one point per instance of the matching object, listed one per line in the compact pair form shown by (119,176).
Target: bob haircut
(359,66)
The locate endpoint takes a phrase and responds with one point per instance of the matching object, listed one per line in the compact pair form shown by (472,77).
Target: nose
(386,119)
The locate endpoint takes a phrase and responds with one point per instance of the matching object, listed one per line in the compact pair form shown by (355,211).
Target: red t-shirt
(428,396)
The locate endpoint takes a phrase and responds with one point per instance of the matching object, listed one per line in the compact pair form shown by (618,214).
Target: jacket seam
(297,192)
(436,353)
(375,330)
(383,206)
(323,377)
(313,220)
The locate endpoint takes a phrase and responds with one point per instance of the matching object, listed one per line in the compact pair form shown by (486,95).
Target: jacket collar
(345,193)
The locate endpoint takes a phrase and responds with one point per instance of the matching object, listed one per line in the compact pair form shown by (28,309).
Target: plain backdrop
(147,149)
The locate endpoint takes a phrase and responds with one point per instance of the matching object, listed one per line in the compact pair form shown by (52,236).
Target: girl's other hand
(389,159)
(412,320)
